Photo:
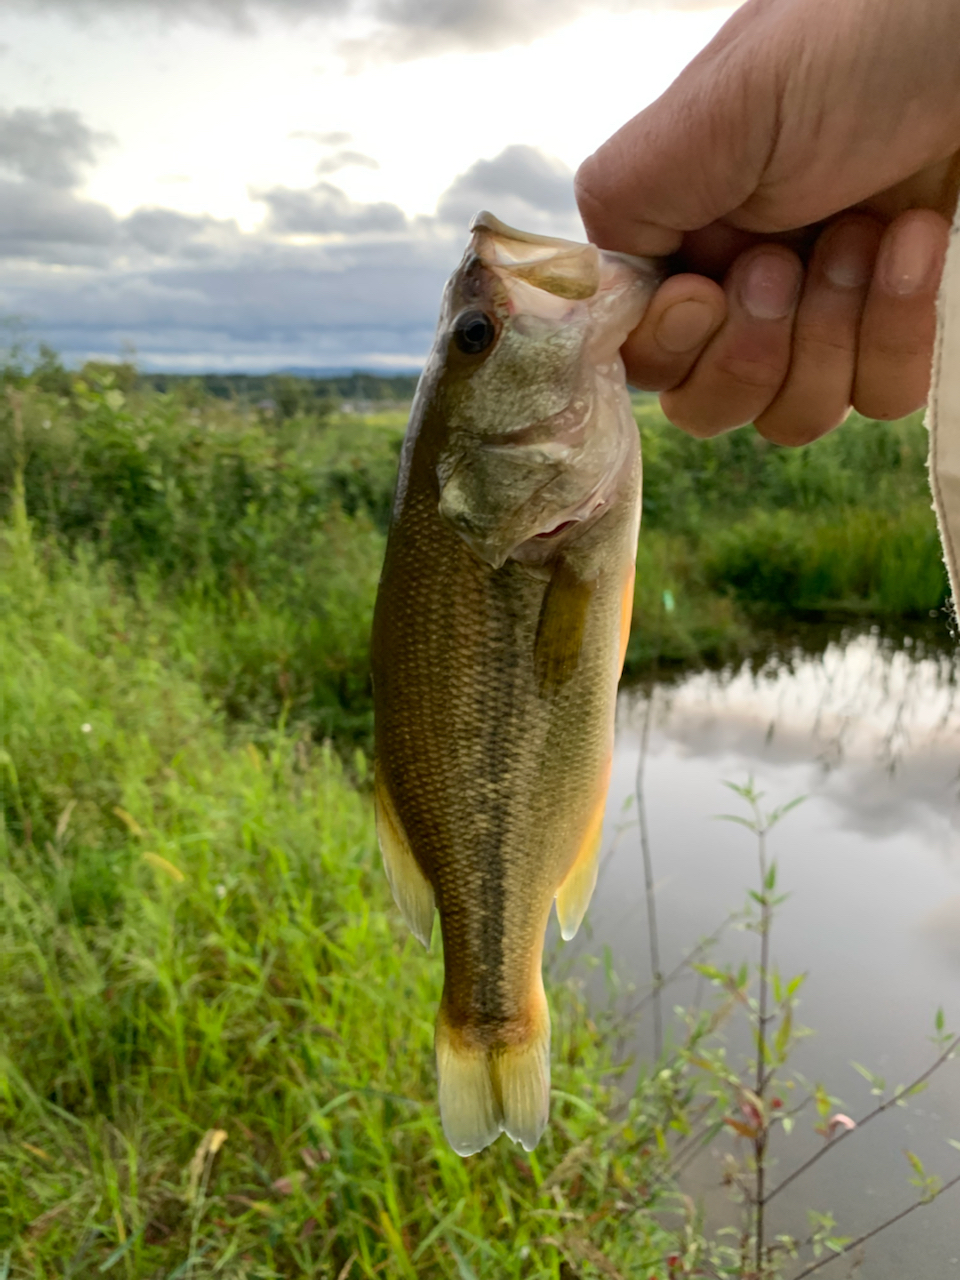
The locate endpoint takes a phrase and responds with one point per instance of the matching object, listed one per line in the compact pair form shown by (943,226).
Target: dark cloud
(406,29)
(50,147)
(417,28)
(165,233)
(522,185)
(521,172)
(53,226)
(344,160)
(323,210)
(240,15)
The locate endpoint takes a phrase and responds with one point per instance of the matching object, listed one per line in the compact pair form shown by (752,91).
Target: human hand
(808,159)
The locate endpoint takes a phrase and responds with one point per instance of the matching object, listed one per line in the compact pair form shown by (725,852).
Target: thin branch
(760,1142)
(693,1148)
(655,971)
(896,1097)
(868,1235)
(688,960)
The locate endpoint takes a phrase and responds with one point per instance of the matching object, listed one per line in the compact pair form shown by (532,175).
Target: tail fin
(485,1091)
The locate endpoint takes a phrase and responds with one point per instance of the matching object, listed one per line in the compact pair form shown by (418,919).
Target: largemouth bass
(499,634)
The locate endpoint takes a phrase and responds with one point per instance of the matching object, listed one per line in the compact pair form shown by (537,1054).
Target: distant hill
(251,387)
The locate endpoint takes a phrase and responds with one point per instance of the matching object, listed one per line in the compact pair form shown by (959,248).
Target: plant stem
(653,932)
(760,1142)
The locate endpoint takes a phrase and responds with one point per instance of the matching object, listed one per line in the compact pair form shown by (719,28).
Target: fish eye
(473,331)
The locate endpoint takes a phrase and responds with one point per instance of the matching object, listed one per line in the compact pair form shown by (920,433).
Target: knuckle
(754,375)
(586,189)
(820,343)
(901,348)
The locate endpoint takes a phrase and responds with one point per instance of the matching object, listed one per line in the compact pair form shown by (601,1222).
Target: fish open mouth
(575,521)
(560,528)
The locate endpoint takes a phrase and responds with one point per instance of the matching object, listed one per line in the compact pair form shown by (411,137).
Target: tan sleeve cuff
(943,413)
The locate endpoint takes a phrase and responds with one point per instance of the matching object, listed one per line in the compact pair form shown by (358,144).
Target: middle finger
(745,364)
(817,392)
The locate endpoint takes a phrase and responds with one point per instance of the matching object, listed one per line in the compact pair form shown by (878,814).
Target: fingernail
(770,286)
(684,326)
(848,262)
(907,258)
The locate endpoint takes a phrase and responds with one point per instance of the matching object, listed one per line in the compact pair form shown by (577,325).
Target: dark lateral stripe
(507,679)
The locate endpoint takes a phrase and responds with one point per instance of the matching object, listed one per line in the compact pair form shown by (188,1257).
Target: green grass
(264,531)
(196,936)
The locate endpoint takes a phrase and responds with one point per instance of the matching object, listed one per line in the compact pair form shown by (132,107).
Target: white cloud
(260,206)
(345,160)
(323,280)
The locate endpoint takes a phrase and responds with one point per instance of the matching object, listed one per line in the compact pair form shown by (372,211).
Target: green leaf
(774,817)
(466,1271)
(784,1034)
(118,1253)
(746,790)
(878,1082)
(837,1243)
(732,817)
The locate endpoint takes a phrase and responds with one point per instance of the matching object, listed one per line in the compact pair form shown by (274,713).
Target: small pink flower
(839,1121)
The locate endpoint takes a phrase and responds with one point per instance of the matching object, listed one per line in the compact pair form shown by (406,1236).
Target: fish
(500,628)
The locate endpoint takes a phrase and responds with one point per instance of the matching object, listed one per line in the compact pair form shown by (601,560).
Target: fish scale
(497,646)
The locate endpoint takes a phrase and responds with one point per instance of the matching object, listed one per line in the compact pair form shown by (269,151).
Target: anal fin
(573,896)
(412,891)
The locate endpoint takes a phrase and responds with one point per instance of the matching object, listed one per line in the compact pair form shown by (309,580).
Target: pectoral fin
(412,891)
(563,616)
(573,896)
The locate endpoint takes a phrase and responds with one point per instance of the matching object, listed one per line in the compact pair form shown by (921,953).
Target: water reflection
(870,733)
(876,728)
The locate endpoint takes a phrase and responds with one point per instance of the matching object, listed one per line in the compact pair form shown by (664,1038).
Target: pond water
(869,732)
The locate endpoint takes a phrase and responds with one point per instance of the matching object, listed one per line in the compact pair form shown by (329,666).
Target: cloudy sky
(227,184)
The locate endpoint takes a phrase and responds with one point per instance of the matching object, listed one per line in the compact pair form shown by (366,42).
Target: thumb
(694,155)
